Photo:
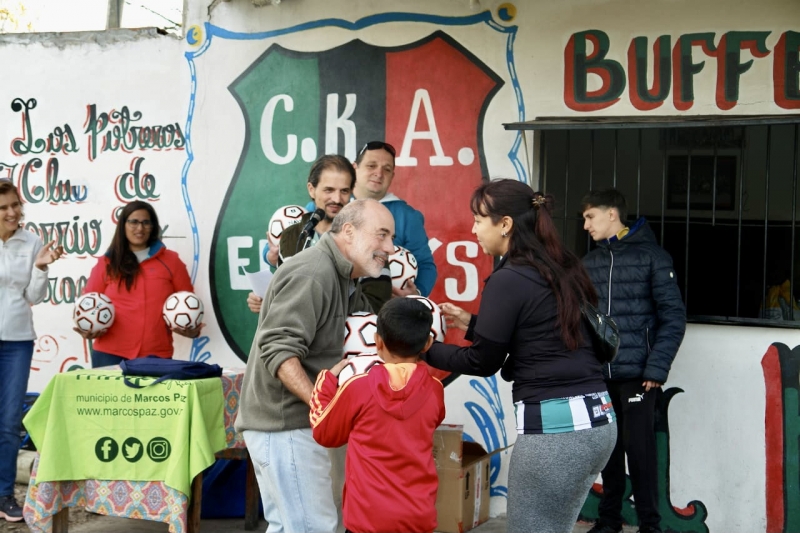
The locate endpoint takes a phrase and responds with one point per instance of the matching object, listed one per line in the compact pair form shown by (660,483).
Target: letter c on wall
(266,131)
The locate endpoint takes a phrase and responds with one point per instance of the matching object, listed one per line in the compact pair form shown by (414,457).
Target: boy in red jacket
(387,417)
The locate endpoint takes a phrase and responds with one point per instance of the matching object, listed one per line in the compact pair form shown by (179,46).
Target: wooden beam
(114,19)
(61,521)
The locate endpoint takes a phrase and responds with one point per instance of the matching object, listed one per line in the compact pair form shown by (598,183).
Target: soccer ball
(403,266)
(438,328)
(359,365)
(284,217)
(93,312)
(359,334)
(183,309)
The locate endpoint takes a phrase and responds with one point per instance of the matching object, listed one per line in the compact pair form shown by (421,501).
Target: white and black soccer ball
(183,309)
(358,365)
(403,266)
(93,312)
(439,327)
(359,334)
(284,217)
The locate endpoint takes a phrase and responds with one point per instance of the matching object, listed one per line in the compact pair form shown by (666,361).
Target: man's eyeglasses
(378,145)
(146,224)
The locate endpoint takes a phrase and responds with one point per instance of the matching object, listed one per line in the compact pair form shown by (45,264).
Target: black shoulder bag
(604,332)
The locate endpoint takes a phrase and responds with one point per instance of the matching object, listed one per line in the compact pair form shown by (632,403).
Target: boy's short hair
(404,324)
(605,199)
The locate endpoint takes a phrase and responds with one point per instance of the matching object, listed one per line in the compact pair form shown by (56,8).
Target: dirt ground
(76,514)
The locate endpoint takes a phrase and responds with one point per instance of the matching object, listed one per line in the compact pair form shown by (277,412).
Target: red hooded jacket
(387,417)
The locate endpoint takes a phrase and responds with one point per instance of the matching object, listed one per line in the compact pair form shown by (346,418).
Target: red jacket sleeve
(440,402)
(180,275)
(97,279)
(333,409)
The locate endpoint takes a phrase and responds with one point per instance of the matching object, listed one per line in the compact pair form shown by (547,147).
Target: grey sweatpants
(550,475)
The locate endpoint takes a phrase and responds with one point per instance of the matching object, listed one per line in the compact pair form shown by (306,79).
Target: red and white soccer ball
(183,309)
(439,327)
(359,334)
(284,217)
(403,266)
(93,312)
(358,365)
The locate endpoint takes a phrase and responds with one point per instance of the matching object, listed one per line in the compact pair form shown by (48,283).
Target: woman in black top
(531,311)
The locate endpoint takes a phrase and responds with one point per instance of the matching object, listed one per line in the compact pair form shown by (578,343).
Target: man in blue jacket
(636,285)
(374,173)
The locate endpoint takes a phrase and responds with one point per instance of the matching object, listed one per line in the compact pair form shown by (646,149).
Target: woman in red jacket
(138,274)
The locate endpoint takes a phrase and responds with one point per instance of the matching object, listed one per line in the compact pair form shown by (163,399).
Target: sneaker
(649,529)
(10,510)
(602,528)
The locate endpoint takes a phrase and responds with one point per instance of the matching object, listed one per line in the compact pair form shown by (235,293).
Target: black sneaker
(10,510)
(602,528)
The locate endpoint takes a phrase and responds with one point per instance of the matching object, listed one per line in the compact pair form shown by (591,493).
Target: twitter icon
(132,449)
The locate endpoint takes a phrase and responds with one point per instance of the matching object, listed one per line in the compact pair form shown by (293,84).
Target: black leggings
(635,410)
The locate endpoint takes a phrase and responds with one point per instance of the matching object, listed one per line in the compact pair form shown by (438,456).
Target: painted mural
(298,106)
(50,163)
(428,97)
(781,369)
(672,69)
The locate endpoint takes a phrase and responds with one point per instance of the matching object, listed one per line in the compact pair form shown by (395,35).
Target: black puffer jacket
(636,275)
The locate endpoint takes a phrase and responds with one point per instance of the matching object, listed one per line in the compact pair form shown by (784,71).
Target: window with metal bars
(720,193)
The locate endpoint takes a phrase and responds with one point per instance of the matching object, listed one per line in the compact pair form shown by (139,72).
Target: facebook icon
(106,449)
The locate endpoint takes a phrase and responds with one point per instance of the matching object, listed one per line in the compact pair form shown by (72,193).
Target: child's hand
(338,367)
(455,317)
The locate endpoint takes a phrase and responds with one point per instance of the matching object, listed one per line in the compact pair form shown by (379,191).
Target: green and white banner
(89,425)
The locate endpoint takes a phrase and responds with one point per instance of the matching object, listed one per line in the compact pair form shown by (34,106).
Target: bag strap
(136,386)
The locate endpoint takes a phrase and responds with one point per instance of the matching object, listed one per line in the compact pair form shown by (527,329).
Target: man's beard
(330,218)
(363,251)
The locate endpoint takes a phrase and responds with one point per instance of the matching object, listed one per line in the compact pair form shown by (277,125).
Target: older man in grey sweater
(300,332)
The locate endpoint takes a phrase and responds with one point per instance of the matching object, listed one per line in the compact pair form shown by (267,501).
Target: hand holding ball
(439,326)
(93,313)
(183,310)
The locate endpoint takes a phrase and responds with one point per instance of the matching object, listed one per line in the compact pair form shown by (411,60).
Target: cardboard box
(462,502)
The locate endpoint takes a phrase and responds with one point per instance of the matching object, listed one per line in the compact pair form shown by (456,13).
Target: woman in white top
(23,283)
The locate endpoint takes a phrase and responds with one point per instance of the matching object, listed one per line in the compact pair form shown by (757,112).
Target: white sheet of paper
(259,281)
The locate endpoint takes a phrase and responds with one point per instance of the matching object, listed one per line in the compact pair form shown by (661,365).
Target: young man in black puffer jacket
(636,285)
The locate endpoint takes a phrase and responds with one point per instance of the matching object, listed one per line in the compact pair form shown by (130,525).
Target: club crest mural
(298,106)
(428,97)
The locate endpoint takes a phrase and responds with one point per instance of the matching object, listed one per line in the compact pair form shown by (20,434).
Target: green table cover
(88,424)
